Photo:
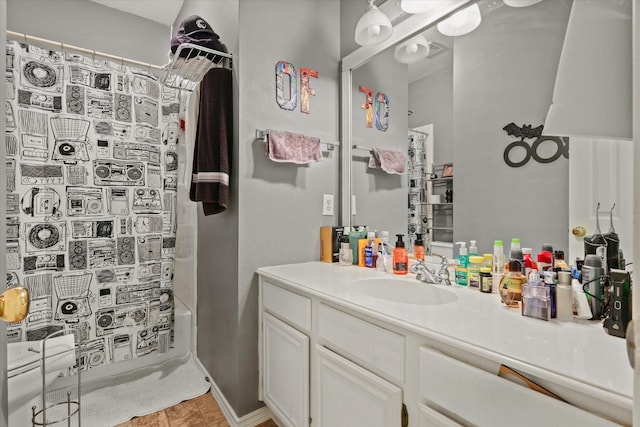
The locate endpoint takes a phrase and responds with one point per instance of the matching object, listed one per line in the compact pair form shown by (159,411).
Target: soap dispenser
(462,264)
(400,257)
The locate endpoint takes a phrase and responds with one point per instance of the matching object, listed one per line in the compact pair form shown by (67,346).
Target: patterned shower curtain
(91,191)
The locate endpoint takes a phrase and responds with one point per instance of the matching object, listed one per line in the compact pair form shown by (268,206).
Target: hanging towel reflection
(291,147)
(390,161)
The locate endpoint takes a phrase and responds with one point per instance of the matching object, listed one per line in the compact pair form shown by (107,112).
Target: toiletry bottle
(564,297)
(346,256)
(580,302)
(473,249)
(418,247)
(559,261)
(511,285)
(488,260)
(473,271)
(400,257)
(545,257)
(386,262)
(515,243)
(592,283)
(371,251)
(486,280)
(354,235)
(516,254)
(550,282)
(497,270)
(462,264)
(529,263)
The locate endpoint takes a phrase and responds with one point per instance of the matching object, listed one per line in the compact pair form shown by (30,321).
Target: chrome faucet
(425,274)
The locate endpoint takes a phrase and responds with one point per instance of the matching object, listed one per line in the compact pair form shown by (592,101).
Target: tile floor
(202,411)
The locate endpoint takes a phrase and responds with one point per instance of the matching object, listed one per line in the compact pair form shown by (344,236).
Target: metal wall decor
(532,151)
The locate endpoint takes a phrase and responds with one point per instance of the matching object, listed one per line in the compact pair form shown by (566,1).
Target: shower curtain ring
(62,47)
(94,55)
(25,38)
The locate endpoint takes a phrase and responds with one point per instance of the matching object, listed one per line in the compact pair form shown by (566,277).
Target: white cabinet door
(350,396)
(429,417)
(285,372)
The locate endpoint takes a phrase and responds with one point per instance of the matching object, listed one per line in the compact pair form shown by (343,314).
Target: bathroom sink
(404,291)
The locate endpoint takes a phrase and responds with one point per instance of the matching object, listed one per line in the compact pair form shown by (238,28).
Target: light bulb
(412,48)
(373,30)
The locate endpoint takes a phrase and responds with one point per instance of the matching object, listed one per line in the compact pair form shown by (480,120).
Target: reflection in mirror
(468,90)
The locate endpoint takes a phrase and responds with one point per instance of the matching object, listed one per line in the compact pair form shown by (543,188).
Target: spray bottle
(462,264)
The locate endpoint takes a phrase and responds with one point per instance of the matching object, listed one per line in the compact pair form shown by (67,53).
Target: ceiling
(161,11)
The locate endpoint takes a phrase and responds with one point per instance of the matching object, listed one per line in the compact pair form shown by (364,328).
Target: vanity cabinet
(284,354)
(329,358)
(351,396)
(286,371)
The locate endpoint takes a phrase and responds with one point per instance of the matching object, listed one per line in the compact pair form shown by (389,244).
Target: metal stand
(39,418)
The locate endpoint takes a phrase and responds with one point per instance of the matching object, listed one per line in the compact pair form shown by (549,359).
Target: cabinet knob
(579,231)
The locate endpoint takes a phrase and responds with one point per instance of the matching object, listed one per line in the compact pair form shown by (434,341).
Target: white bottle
(564,297)
(583,311)
(497,270)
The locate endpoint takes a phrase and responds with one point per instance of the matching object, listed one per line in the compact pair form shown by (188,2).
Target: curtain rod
(67,47)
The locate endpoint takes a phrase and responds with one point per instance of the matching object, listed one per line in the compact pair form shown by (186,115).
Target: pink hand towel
(390,161)
(290,147)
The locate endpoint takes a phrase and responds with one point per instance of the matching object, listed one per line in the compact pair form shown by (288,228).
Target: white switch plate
(327,204)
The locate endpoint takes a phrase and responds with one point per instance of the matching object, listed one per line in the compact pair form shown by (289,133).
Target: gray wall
(431,100)
(90,25)
(276,208)
(381,198)
(505,73)
(4,412)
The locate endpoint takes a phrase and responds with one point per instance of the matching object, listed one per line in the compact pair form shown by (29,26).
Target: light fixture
(520,3)
(415,6)
(461,22)
(373,27)
(412,50)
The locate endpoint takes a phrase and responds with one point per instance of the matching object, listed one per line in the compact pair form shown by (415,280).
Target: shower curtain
(91,192)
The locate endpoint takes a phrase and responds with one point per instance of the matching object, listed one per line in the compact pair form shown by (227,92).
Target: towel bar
(261,134)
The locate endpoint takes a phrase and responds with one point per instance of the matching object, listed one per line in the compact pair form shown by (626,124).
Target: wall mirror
(474,95)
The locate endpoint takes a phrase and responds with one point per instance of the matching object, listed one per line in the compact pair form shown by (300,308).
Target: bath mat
(110,401)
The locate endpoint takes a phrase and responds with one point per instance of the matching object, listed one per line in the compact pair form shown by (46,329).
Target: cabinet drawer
(484,399)
(377,347)
(287,305)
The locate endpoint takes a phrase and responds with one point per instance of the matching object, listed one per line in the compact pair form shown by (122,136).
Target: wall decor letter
(305,90)
(382,112)
(367,105)
(286,86)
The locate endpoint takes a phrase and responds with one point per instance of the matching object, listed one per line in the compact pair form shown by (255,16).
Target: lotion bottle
(400,257)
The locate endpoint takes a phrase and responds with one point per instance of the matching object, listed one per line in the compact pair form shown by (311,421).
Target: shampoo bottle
(400,257)
(462,264)
(354,236)
(418,247)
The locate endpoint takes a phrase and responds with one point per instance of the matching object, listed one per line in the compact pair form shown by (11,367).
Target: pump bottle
(473,249)
(400,257)
(462,264)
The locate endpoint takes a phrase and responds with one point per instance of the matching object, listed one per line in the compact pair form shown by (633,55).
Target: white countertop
(580,351)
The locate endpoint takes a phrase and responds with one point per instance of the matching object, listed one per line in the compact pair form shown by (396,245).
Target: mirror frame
(403,30)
